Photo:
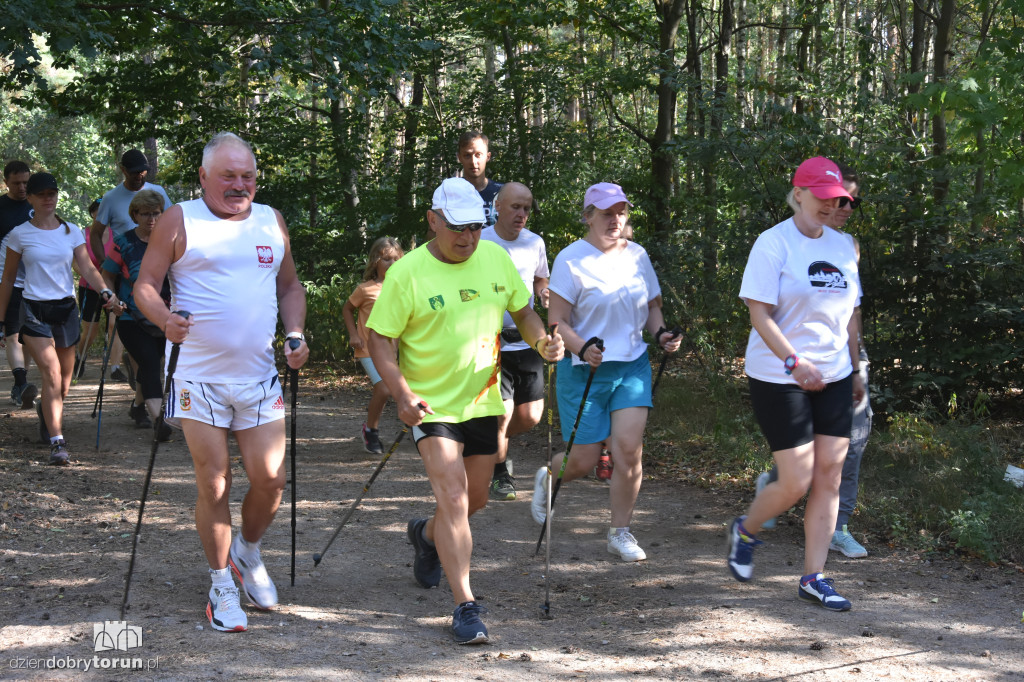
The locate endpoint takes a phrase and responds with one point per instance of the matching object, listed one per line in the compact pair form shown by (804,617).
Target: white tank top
(227,279)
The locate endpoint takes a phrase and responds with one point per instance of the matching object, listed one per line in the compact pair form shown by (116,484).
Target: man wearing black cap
(113,213)
(14,210)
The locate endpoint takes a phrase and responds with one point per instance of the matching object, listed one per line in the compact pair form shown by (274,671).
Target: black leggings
(148,352)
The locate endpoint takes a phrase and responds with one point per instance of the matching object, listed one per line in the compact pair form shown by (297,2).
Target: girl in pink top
(383,253)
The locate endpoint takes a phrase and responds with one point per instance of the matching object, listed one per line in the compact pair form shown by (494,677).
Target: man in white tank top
(230,265)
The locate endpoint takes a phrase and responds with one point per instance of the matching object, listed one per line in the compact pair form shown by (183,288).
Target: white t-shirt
(609,293)
(814,285)
(227,279)
(113,211)
(531,260)
(19,279)
(47,255)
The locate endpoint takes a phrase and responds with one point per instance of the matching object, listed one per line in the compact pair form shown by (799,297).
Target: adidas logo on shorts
(279,405)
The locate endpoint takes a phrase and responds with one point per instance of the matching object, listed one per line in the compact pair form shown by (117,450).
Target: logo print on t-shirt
(436,302)
(468,294)
(824,274)
(265,255)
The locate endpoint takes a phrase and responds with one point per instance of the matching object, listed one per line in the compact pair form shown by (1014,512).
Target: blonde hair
(380,247)
(791,200)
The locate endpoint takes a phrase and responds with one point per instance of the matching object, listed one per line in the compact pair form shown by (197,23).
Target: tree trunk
(515,82)
(718,104)
(670,14)
(407,172)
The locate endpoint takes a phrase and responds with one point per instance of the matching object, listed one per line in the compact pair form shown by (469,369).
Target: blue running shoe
(741,551)
(426,567)
(467,628)
(820,590)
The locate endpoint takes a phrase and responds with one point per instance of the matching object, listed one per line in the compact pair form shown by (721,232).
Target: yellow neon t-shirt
(447,318)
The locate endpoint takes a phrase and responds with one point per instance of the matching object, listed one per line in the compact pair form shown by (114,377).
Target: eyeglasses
(458,229)
(854,203)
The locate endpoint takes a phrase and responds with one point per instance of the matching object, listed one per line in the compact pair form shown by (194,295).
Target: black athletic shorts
(522,376)
(478,436)
(790,416)
(12,318)
(57,320)
(89,304)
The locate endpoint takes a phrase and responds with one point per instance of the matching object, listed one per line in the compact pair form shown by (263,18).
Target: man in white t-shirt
(522,370)
(230,265)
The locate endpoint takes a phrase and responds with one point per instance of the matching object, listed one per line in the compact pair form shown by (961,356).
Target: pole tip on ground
(545,613)
(316,559)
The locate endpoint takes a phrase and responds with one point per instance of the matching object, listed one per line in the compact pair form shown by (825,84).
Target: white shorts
(230,406)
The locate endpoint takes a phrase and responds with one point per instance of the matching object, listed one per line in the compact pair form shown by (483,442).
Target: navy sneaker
(24,395)
(117,374)
(59,454)
(820,590)
(426,567)
(741,551)
(467,628)
(371,440)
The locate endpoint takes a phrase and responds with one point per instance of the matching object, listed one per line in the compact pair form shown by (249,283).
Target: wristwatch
(791,363)
(296,335)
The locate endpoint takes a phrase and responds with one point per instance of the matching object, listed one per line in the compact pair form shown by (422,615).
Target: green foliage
(325,327)
(937,484)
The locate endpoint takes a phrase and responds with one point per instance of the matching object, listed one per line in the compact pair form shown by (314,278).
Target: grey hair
(791,200)
(220,139)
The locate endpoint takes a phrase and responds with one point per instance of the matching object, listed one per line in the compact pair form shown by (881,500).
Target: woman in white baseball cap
(604,294)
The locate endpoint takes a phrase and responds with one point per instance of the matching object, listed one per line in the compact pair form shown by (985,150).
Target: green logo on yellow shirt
(497,287)
(468,294)
(437,302)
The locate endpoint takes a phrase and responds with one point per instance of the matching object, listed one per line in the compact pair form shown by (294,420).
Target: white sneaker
(624,544)
(251,572)
(224,611)
(539,503)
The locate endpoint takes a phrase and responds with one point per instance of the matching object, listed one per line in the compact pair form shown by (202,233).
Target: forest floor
(66,537)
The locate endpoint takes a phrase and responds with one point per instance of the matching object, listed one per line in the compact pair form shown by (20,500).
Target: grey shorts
(57,320)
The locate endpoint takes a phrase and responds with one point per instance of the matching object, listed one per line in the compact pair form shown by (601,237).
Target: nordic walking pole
(171,364)
(294,375)
(317,558)
(675,331)
(546,609)
(98,405)
(568,448)
(80,364)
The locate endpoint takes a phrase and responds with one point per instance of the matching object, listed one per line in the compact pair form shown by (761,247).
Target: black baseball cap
(37,182)
(134,161)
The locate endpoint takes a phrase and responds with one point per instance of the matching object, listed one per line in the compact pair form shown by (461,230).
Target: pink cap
(604,194)
(822,177)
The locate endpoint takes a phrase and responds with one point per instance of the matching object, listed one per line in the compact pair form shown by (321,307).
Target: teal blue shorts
(616,386)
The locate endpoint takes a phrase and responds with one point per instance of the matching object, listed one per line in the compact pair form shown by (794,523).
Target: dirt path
(65,536)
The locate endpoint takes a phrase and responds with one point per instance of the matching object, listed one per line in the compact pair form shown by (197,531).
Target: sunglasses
(854,203)
(458,229)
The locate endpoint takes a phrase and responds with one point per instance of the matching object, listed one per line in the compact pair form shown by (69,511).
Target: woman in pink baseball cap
(801,285)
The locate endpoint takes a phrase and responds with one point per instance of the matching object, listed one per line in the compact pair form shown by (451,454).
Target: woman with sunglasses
(801,285)
(49,321)
(143,340)
(842,540)
(604,287)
